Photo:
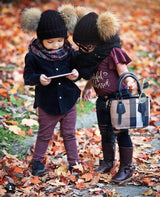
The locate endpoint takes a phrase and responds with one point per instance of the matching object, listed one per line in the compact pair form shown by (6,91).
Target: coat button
(57,69)
(60,97)
(59,83)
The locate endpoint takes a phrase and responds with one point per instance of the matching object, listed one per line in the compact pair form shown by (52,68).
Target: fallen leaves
(62,170)
(29,122)
(35,180)
(147,192)
(87,176)
(16,130)
(17,169)
(146,181)
(59,180)
(3,92)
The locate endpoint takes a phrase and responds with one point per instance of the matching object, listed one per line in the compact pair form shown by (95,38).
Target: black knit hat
(86,31)
(51,25)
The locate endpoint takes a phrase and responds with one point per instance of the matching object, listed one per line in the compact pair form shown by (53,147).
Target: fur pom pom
(81,11)
(30,18)
(107,24)
(69,16)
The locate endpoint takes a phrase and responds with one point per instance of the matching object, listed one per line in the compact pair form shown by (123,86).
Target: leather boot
(126,169)
(108,154)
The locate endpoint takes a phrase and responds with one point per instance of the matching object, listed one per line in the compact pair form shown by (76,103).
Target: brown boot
(108,162)
(126,169)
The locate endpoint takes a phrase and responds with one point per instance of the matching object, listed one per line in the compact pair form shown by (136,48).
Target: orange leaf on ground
(55,148)
(73,178)
(146,180)
(17,169)
(30,132)
(22,133)
(10,81)
(6,85)
(144,73)
(35,180)
(80,185)
(3,92)
(7,116)
(87,176)
(11,122)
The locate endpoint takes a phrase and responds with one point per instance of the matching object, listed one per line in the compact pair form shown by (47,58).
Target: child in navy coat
(50,55)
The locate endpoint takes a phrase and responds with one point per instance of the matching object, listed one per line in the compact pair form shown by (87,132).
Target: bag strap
(125,75)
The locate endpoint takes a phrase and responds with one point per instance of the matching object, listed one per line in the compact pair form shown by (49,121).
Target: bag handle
(125,75)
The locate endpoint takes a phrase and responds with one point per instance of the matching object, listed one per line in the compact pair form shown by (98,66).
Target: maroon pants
(47,124)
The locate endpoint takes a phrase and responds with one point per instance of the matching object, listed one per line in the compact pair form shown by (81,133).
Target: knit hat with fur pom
(48,24)
(93,28)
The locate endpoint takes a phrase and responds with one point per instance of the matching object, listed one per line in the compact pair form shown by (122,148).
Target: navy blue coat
(61,94)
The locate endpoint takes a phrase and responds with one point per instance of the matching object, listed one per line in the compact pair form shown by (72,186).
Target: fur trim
(30,18)
(81,11)
(69,16)
(107,24)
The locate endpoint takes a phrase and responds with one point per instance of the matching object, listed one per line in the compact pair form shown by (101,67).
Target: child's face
(86,48)
(53,43)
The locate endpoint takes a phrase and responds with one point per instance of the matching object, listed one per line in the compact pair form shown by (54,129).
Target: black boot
(126,169)
(108,154)
(38,168)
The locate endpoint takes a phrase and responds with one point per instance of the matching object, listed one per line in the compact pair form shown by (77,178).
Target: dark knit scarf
(86,63)
(53,55)
(103,49)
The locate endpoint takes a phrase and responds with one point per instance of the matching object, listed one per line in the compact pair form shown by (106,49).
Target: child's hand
(44,80)
(131,84)
(74,75)
(87,94)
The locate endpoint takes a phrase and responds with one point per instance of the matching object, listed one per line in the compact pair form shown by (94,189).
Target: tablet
(56,76)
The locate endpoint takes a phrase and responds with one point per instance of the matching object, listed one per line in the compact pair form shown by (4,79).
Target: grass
(8,140)
(9,110)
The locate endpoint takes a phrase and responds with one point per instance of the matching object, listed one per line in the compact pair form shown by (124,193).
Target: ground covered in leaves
(139,31)
(57,181)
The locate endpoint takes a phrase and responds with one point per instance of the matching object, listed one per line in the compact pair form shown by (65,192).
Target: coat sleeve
(31,77)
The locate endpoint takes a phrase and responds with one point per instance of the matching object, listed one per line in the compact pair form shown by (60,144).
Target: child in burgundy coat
(101,61)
